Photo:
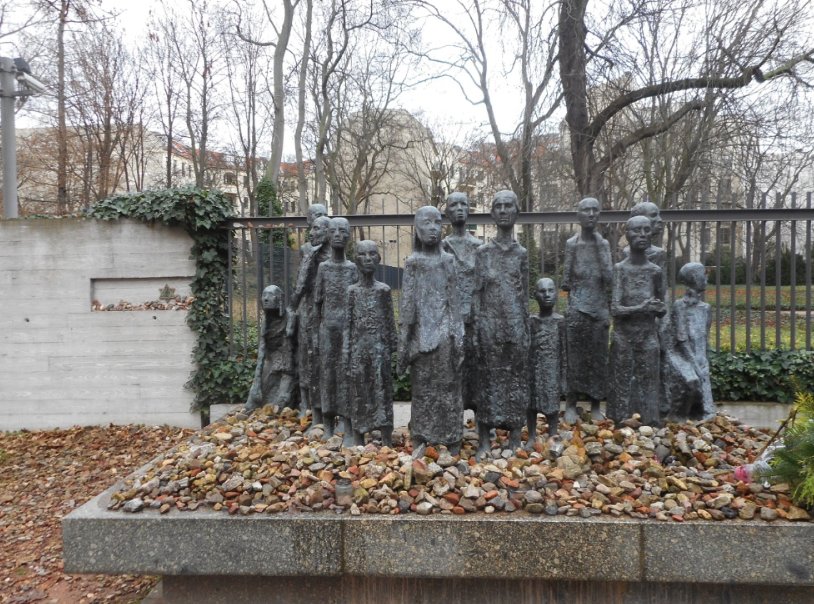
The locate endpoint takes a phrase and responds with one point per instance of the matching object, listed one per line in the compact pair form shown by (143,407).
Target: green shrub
(794,462)
(761,375)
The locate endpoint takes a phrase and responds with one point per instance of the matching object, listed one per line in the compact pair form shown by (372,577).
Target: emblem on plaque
(166,293)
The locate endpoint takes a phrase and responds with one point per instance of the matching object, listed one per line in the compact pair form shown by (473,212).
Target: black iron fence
(758,258)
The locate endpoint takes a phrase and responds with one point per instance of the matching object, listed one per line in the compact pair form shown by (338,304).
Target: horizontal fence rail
(758,259)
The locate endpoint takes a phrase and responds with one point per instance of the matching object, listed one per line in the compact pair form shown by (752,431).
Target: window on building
(725,236)
(229,178)
(246,182)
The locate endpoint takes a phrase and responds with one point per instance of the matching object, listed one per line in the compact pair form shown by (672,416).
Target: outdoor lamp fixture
(15,81)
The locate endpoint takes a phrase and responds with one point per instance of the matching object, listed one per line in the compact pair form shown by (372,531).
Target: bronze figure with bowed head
(638,301)
(586,275)
(688,380)
(431,338)
(275,380)
(546,361)
(334,276)
(462,245)
(306,324)
(500,305)
(368,344)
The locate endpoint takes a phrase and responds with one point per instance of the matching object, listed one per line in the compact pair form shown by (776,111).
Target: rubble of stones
(177,303)
(264,463)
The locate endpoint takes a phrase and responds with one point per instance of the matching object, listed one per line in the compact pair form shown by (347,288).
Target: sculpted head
(367,256)
(639,233)
(315,211)
(694,276)
(505,208)
(545,293)
(339,232)
(588,213)
(457,208)
(651,210)
(272,299)
(427,228)
(319,231)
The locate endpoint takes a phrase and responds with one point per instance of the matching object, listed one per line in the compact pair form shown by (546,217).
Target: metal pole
(8,85)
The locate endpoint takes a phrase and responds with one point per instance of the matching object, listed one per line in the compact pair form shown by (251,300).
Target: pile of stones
(267,463)
(177,303)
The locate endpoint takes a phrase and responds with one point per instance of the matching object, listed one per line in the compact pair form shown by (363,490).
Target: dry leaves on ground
(43,476)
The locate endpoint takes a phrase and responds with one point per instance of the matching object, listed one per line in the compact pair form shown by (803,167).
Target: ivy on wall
(216,378)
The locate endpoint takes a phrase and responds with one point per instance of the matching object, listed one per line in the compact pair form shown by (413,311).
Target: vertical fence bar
(286,266)
(777,274)
(704,237)
(748,276)
(257,258)
(230,292)
(733,256)
(672,232)
(809,260)
(557,257)
(793,279)
(764,200)
(718,277)
(244,293)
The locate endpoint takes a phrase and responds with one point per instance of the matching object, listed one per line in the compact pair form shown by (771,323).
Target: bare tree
(197,52)
(731,46)
(498,43)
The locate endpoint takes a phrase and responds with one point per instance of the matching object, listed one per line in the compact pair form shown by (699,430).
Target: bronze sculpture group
(466,333)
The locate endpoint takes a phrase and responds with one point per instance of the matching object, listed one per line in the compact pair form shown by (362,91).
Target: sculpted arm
(605,262)
(406,315)
(566,266)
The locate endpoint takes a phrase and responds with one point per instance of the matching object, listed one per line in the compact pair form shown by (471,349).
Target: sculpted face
(319,231)
(457,208)
(639,233)
(367,257)
(650,210)
(272,298)
(588,213)
(694,276)
(315,211)
(339,233)
(545,293)
(428,225)
(505,209)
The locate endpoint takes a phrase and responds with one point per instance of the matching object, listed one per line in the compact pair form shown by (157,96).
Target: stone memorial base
(210,557)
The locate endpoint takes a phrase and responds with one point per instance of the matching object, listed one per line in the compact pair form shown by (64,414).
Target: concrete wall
(62,364)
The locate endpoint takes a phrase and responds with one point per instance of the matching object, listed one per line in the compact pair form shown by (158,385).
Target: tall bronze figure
(275,379)
(638,300)
(500,304)
(431,338)
(586,275)
(334,276)
(306,324)
(369,342)
(462,245)
(547,361)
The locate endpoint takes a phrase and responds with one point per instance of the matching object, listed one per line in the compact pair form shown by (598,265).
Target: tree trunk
(302,187)
(278,133)
(62,128)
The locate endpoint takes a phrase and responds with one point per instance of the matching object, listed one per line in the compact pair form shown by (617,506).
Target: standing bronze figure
(638,300)
(431,338)
(586,275)
(462,245)
(500,304)
(368,345)
(334,276)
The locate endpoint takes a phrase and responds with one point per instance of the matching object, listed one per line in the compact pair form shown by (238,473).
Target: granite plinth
(508,547)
